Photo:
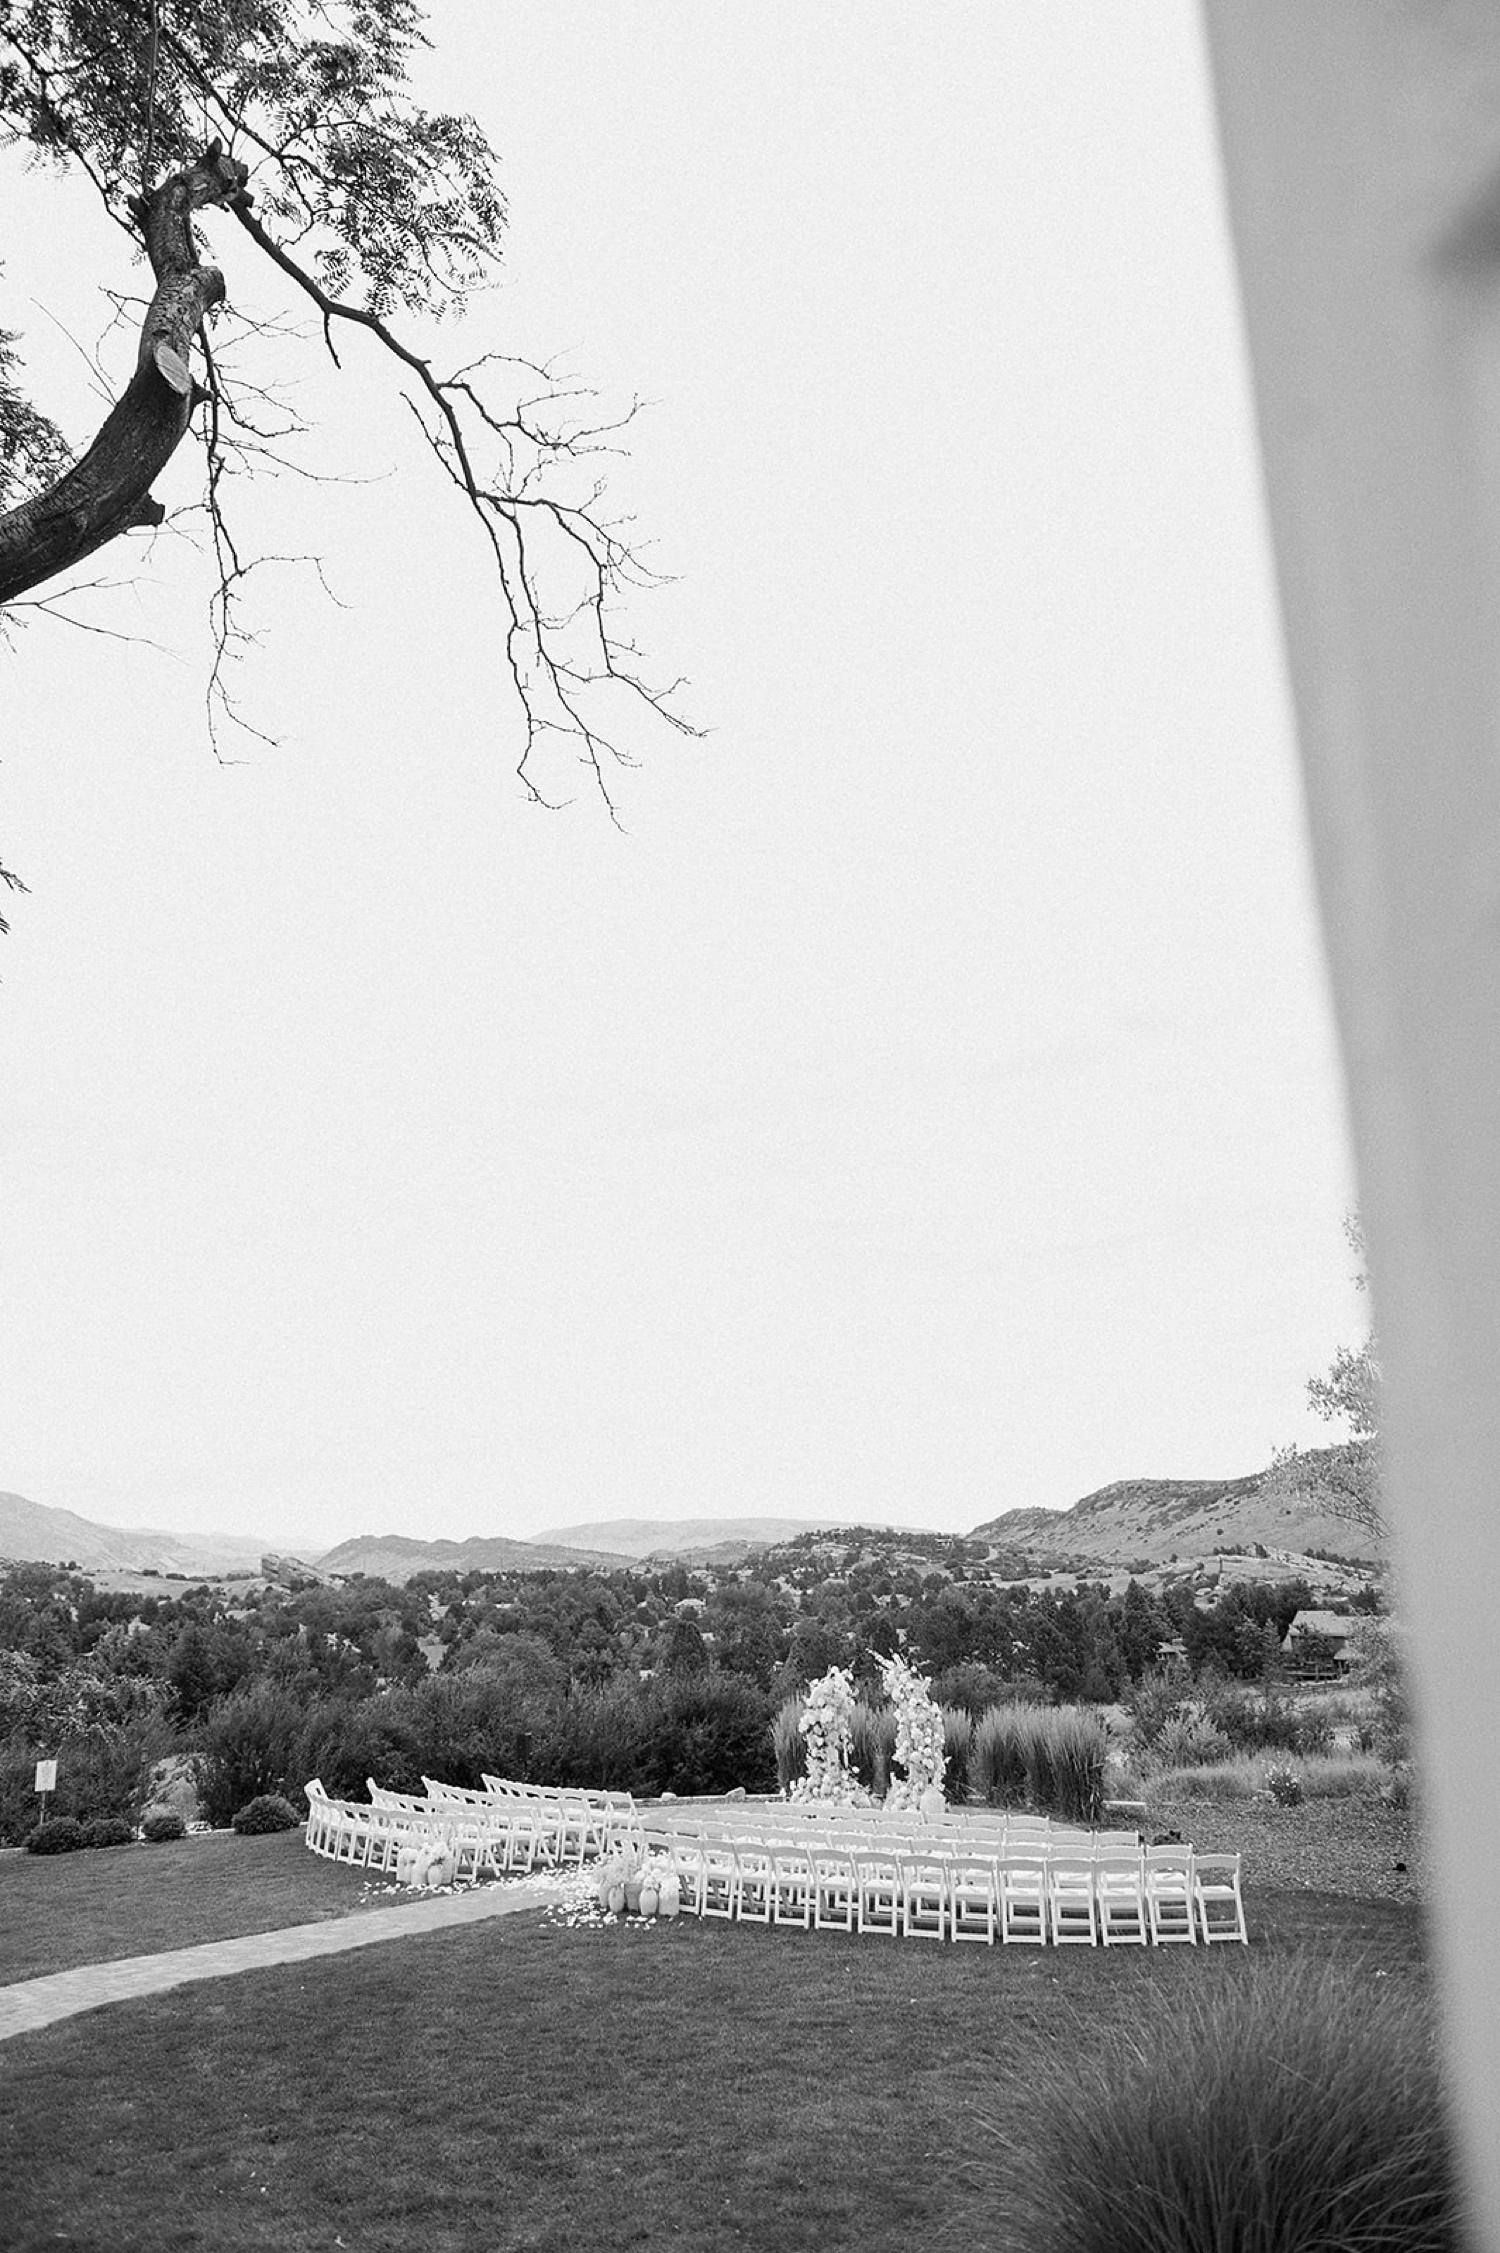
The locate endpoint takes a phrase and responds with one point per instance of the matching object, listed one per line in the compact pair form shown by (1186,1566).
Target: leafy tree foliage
(1348,1482)
(571,1676)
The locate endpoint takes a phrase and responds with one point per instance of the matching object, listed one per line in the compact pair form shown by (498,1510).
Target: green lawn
(521,2084)
(58,1910)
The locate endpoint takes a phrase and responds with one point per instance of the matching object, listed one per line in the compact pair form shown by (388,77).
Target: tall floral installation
(918,1751)
(827,1725)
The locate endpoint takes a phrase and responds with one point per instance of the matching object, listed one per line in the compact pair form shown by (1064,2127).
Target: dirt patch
(1356,1847)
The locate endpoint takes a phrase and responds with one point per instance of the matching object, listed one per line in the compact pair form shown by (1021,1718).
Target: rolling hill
(395,1557)
(1155,1519)
(671,1537)
(34,1530)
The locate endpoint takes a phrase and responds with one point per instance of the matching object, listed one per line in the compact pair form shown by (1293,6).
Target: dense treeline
(650,1680)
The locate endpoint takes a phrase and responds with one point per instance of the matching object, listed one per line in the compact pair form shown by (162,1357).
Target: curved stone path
(33,2003)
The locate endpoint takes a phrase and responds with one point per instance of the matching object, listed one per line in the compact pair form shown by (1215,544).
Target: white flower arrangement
(827,1724)
(918,1752)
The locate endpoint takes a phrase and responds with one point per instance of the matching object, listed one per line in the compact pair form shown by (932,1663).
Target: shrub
(348,1744)
(708,1733)
(1152,1700)
(976,1688)
(1203,2113)
(1379,1672)
(248,1745)
(689,1734)
(1238,1778)
(101,1772)
(1256,1720)
(59,1834)
(108,1830)
(958,1730)
(161,1824)
(1314,1732)
(268,1813)
(1189,1740)
(603,1738)
(458,1726)
(1284,1784)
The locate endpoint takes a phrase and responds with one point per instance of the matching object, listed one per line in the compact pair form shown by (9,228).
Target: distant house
(1320,1642)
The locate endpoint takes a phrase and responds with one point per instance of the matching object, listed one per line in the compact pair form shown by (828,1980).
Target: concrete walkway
(33,2003)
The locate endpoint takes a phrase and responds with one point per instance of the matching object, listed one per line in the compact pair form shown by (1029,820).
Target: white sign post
(46,1781)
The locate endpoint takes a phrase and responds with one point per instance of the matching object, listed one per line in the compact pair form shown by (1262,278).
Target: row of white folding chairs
(819,1811)
(1155,1895)
(616,1810)
(978,1826)
(997,1839)
(372,1837)
(517,1838)
(561,1831)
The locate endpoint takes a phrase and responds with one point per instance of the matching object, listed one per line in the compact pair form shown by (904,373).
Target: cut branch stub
(108,490)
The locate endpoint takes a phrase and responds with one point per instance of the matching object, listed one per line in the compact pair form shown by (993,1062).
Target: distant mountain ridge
(664,1537)
(1134,1521)
(35,1530)
(1153,1519)
(398,1558)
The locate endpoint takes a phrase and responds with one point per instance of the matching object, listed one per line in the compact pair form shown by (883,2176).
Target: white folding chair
(683,1854)
(1170,1911)
(526,1842)
(1023,1898)
(924,1894)
(719,1881)
(321,1819)
(1216,1898)
(1120,1899)
(791,1884)
(973,1897)
(573,1832)
(756,1881)
(833,1887)
(877,1890)
(1070,1901)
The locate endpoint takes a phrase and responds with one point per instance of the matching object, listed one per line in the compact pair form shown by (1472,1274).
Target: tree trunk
(108,490)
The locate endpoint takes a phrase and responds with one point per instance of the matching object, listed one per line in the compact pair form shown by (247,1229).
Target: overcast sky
(928,1105)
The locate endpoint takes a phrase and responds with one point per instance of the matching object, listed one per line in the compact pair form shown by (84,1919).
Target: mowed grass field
(525,2084)
(58,1910)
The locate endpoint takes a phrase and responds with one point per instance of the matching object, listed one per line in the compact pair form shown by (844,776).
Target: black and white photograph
(749,1126)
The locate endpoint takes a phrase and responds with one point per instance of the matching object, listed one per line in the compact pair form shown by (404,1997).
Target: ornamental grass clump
(872,1741)
(788,1743)
(1298,2108)
(1041,1775)
(1079,1746)
(997,1757)
(958,1731)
